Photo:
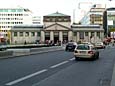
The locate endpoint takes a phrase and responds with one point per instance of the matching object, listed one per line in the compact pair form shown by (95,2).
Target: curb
(33,53)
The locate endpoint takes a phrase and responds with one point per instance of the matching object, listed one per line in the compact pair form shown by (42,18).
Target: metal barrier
(5,53)
(19,52)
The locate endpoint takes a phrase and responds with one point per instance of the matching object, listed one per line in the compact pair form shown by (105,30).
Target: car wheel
(66,49)
(76,58)
(97,56)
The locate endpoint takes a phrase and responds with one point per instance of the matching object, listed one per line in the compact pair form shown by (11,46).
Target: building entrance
(65,37)
(56,40)
(47,37)
(56,37)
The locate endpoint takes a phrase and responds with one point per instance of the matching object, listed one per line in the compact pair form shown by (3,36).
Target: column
(95,34)
(102,35)
(95,37)
(42,36)
(70,36)
(52,35)
(60,36)
(78,37)
(89,35)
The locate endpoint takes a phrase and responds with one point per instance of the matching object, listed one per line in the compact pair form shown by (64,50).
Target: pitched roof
(58,25)
(57,14)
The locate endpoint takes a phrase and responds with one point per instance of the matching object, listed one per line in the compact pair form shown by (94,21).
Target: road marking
(72,59)
(26,77)
(54,66)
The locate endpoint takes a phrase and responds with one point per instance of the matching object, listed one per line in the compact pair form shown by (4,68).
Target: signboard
(110,22)
(2,34)
(112,34)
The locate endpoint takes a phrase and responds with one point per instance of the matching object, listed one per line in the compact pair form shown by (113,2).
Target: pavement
(109,46)
(113,75)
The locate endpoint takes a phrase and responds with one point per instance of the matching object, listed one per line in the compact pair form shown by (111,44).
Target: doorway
(56,37)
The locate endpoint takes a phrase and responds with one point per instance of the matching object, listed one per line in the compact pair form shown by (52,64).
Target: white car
(99,45)
(86,51)
(88,43)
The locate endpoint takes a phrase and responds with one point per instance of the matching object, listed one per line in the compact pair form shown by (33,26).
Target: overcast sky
(44,7)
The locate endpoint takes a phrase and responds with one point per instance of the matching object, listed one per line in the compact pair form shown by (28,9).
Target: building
(13,16)
(94,16)
(88,33)
(26,33)
(36,20)
(109,22)
(56,28)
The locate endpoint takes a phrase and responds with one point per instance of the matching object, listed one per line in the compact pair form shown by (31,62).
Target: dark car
(70,46)
(3,47)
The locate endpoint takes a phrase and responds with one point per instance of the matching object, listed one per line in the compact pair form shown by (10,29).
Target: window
(21,33)
(15,34)
(38,34)
(86,33)
(19,10)
(47,33)
(92,34)
(75,33)
(32,33)
(81,34)
(26,34)
(1,10)
(5,10)
(13,10)
(65,33)
(98,34)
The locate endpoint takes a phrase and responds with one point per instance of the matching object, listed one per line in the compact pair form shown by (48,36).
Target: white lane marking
(59,64)
(26,77)
(72,59)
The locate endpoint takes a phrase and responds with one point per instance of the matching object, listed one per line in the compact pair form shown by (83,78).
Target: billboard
(110,22)
(112,34)
(2,34)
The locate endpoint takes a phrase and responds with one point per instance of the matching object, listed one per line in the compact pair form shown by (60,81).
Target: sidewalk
(113,77)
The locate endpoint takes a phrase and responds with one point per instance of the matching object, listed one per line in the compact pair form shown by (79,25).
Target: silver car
(99,45)
(86,51)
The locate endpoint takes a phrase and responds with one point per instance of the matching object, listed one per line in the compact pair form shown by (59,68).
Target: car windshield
(99,43)
(71,43)
(83,47)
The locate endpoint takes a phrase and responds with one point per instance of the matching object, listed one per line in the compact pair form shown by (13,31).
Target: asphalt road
(57,69)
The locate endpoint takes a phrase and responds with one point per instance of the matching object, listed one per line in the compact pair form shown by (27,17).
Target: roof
(58,25)
(110,9)
(85,26)
(57,14)
(28,26)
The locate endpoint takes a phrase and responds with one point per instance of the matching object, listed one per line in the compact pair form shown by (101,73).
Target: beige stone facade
(57,27)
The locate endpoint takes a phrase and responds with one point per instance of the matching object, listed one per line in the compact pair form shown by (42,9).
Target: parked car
(99,45)
(3,47)
(86,51)
(70,46)
(88,43)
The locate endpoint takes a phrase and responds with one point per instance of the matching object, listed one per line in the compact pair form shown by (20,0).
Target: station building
(56,27)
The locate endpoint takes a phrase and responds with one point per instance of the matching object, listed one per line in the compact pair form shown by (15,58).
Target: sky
(75,8)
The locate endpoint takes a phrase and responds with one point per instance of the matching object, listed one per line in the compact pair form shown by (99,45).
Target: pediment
(56,27)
